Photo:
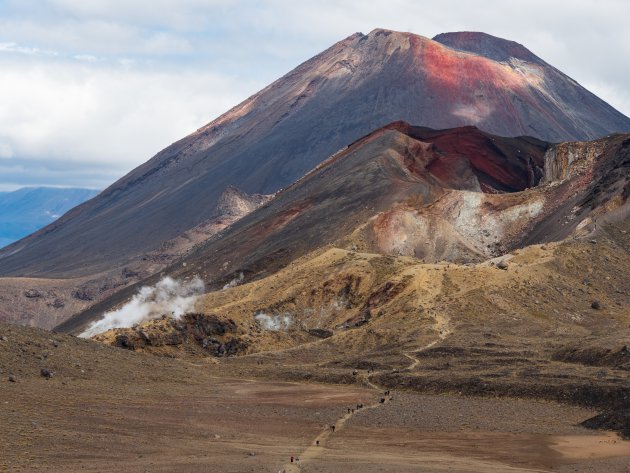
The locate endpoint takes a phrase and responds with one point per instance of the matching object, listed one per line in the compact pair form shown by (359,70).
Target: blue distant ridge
(26,210)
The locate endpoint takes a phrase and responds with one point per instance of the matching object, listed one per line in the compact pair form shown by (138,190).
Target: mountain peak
(391,36)
(386,32)
(483,44)
(264,144)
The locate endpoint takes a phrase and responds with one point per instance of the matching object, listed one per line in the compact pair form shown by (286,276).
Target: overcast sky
(89,89)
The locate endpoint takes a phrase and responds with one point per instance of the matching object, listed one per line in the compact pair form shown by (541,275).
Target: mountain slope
(274,137)
(458,195)
(45,303)
(26,210)
(343,277)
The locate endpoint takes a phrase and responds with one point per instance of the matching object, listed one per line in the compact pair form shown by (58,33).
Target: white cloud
(611,92)
(92,36)
(6,151)
(85,57)
(184,14)
(12,47)
(122,115)
(111,82)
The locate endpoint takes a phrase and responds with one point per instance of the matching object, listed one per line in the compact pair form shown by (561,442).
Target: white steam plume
(273,323)
(168,297)
(235,282)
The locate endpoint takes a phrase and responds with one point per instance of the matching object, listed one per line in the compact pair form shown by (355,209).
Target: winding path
(443,328)
(316,448)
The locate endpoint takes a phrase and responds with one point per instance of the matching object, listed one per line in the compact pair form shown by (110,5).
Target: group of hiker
(351,410)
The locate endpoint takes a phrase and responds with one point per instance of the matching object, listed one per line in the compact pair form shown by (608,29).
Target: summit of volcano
(359,84)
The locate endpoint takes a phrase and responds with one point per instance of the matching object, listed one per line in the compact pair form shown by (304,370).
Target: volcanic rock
(57,303)
(83,294)
(273,138)
(614,419)
(46,373)
(193,330)
(458,195)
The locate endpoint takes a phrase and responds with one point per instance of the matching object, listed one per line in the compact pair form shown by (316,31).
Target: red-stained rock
(276,136)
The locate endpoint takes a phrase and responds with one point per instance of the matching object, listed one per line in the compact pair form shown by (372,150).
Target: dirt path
(319,443)
(443,328)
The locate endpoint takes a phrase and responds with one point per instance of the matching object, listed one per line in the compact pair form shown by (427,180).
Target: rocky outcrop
(613,419)
(203,333)
(236,203)
(594,355)
(566,160)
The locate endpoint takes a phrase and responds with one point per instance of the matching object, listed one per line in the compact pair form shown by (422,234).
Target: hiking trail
(314,449)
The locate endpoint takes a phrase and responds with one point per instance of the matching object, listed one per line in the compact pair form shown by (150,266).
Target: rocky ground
(494,366)
(68,404)
(548,321)
(73,405)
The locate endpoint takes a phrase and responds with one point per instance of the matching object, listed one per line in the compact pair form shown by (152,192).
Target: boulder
(46,373)
(320,332)
(57,303)
(83,294)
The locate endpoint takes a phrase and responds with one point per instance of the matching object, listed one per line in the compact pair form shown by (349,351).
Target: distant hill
(26,210)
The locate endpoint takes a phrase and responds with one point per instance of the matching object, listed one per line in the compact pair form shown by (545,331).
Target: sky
(90,89)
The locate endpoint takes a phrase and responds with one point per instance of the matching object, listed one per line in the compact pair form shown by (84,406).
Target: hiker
(317,442)
(333,427)
(291,458)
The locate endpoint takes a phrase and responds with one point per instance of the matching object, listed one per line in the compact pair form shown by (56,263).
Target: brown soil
(40,302)
(548,322)
(108,409)
(527,331)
